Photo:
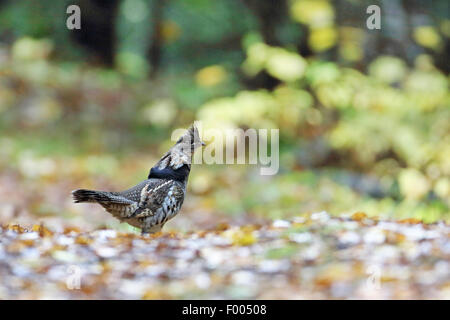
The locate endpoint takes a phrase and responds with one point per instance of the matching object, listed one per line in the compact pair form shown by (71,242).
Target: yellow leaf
(210,76)
(322,39)
(315,13)
(427,36)
(68,230)
(43,231)
(358,216)
(241,237)
(83,240)
(16,228)
(410,221)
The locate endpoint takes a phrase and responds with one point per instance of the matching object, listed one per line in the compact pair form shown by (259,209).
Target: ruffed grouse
(151,203)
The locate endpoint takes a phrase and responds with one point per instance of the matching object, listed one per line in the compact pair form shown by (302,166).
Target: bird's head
(181,153)
(189,141)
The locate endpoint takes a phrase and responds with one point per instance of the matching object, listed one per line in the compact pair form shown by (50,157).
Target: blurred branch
(269,13)
(154,52)
(98,28)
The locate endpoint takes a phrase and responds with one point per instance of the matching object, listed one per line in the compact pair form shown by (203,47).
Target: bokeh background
(364,114)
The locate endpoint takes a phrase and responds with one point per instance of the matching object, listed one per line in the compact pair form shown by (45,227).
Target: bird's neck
(181,174)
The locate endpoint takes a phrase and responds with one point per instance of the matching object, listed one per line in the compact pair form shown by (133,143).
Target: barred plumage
(151,203)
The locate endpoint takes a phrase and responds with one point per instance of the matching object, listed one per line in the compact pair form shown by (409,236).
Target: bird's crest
(181,152)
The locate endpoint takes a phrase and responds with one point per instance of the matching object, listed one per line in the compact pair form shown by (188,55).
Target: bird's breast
(172,202)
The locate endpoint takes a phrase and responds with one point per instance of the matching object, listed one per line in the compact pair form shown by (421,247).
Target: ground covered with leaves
(309,256)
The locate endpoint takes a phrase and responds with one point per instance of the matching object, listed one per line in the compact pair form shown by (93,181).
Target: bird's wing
(152,197)
(123,204)
(120,210)
(134,193)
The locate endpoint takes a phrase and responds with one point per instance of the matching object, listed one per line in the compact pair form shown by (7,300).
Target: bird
(154,201)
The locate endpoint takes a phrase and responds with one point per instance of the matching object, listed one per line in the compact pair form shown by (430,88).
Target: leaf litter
(313,256)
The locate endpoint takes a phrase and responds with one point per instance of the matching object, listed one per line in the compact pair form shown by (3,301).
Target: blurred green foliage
(364,118)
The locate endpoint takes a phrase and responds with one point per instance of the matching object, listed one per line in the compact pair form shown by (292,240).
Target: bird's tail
(84,195)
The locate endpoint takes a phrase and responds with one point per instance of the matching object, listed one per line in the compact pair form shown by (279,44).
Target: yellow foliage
(315,13)
(31,49)
(427,36)
(170,31)
(413,184)
(351,51)
(322,39)
(210,76)
(257,55)
(285,65)
(278,62)
(241,237)
(160,112)
(351,40)
(445,27)
(388,69)
(442,188)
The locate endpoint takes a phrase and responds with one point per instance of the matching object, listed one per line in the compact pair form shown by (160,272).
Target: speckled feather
(151,203)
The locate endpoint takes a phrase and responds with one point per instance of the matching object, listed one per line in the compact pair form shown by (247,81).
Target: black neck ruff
(169,173)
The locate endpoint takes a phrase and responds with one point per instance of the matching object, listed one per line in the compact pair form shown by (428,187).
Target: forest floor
(312,256)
